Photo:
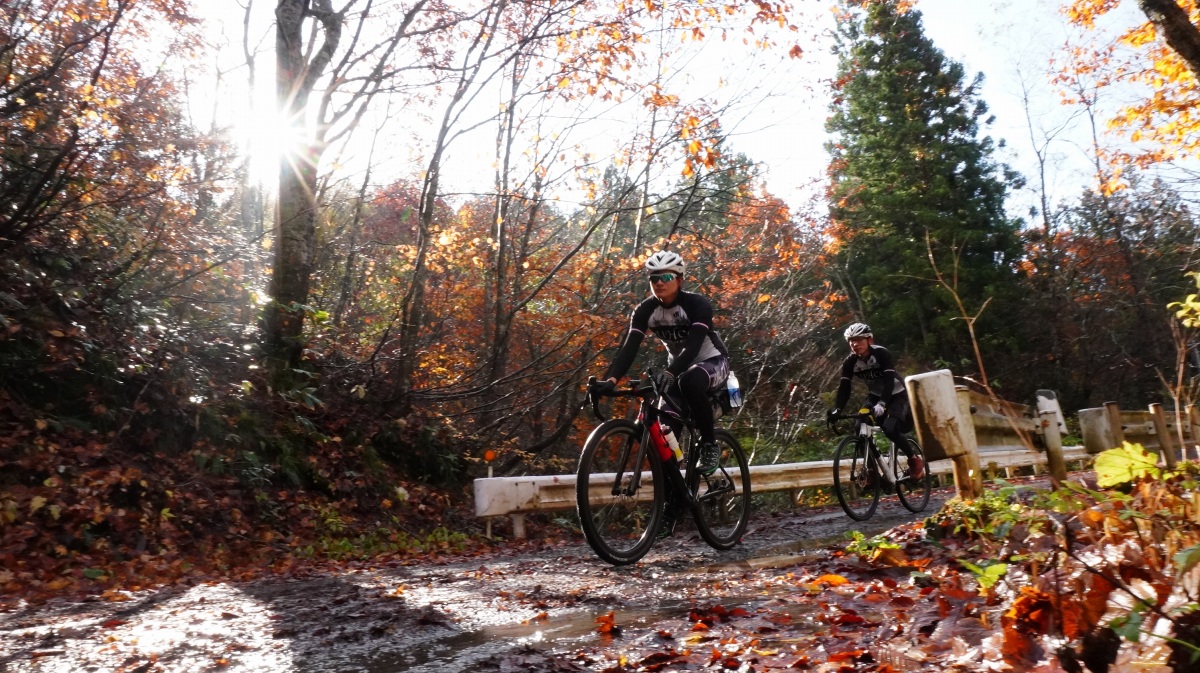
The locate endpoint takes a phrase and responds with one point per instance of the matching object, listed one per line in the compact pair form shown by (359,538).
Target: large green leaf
(1125,464)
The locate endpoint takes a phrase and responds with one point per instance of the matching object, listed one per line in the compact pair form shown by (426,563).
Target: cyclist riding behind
(885,390)
(697,361)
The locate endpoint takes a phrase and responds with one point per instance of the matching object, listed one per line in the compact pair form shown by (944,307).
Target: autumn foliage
(145,434)
(142,434)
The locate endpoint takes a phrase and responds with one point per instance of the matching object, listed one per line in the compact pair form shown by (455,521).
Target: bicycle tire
(619,524)
(858,489)
(913,493)
(723,501)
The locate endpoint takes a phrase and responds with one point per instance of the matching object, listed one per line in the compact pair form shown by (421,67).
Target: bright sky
(1010,42)
(781,124)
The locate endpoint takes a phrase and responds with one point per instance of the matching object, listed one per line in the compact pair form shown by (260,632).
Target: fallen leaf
(607,624)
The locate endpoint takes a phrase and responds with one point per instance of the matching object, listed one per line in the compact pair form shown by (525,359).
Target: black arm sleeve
(624,357)
(695,339)
(843,393)
(638,324)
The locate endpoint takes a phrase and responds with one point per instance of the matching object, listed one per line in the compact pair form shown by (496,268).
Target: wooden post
(1114,422)
(1052,438)
(1165,446)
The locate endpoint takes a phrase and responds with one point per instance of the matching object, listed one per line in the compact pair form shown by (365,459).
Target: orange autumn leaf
(831,580)
(607,624)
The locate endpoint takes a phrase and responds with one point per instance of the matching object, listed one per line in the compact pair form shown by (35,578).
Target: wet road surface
(476,615)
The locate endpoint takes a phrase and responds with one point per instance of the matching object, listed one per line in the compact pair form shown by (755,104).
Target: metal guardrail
(517,496)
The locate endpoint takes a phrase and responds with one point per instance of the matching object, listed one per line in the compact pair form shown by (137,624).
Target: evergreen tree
(910,173)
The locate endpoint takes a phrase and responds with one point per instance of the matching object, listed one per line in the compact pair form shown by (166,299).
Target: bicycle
(861,471)
(629,474)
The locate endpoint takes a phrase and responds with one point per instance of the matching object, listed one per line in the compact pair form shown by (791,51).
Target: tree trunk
(1173,23)
(295,223)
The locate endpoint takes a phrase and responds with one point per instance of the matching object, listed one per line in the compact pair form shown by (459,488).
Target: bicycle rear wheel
(855,478)
(723,497)
(618,493)
(914,493)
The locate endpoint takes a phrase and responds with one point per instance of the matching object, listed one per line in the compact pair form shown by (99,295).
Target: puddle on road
(460,651)
(561,633)
(564,631)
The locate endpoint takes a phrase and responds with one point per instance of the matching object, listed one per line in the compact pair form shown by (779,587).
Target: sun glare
(268,140)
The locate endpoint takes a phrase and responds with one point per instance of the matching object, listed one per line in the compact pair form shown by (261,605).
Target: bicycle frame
(648,421)
(611,492)
(884,463)
(865,426)
(871,471)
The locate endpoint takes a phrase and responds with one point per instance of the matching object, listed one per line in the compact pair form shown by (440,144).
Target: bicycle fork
(635,481)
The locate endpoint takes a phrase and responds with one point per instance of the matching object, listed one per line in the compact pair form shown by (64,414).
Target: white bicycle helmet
(858,329)
(665,260)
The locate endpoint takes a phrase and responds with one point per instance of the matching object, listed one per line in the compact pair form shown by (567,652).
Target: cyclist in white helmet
(886,395)
(696,358)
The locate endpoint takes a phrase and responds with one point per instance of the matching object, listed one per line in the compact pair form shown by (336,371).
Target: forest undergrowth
(1080,578)
(84,513)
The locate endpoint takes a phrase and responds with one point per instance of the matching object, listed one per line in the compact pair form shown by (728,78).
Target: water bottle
(673,442)
(735,391)
(660,443)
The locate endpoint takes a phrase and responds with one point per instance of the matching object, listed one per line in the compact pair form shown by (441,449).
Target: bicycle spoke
(618,493)
(855,478)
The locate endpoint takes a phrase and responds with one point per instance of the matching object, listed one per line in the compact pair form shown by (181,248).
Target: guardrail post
(967,476)
(1165,446)
(944,429)
(1097,430)
(1193,420)
(1047,400)
(1052,438)
(1114,422)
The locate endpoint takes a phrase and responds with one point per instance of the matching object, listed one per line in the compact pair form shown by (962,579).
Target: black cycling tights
(893,428)
(693,386)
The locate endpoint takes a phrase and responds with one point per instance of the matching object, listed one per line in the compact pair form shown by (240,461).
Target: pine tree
(910,173)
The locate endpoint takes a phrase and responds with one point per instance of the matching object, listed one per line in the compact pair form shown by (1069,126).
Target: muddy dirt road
(492,613)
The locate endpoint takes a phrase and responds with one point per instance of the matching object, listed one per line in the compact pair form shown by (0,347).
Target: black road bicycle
(861,471)
(629,474)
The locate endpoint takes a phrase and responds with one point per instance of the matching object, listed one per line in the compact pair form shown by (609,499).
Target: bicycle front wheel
(914,493)
(619,492)
(723,497)
(855,478)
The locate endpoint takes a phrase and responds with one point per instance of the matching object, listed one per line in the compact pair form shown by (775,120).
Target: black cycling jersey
(685,327)
(877,370)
